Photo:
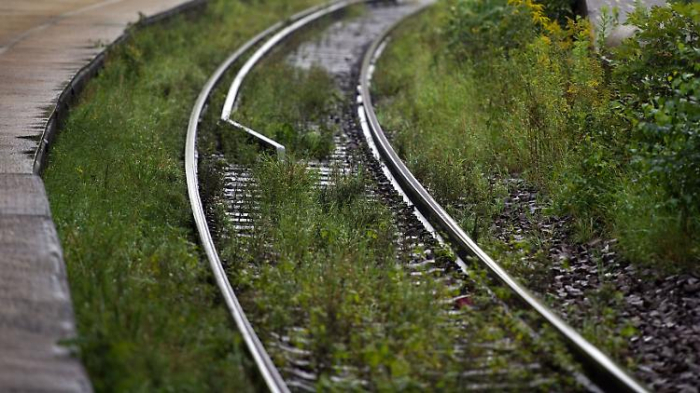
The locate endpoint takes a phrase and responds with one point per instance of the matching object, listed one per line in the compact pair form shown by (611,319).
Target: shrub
(476,27)
(658,72)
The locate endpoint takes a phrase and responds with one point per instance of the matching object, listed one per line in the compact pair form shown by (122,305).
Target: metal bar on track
(268,371)
(303,19)
(279,148)
(271,43)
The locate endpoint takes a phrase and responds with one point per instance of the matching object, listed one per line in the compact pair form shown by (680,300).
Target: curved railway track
(392,177)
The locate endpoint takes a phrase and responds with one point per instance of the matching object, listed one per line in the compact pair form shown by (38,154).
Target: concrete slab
(593,9)
(45,49)
(43,44)
(36,310)
(22,194)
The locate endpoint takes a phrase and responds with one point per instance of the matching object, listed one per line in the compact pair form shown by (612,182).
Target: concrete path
(624,7)
(43,45)
(594,10)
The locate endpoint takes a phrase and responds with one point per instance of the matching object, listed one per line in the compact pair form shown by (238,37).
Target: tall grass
(292,106)
(322,270)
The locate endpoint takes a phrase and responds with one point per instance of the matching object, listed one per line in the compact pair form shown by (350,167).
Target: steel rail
(254,59)
(235,88)
(603,369)
(266,367)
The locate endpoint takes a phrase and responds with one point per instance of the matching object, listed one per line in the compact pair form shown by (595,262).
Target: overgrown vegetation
(291,106)
(658,76)
(322,271)
(610,135)
(149,318)
(294,107)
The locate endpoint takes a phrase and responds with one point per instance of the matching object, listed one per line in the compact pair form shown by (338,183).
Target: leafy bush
(549,86)
(475,27)
(659,75)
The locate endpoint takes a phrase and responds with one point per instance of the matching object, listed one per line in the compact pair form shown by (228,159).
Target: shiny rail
(602,370)
(268,371)
(275,40)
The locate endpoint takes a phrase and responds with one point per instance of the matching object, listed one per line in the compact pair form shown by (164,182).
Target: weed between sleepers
(322,273)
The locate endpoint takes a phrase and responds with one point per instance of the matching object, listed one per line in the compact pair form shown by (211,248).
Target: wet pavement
(43,45)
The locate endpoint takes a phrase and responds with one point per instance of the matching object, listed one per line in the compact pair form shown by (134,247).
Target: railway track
(347,53)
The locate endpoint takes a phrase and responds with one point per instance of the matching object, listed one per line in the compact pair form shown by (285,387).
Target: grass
(428,106)
(292,107)
(289,105)
(514,95)
(149,318)
(322,269)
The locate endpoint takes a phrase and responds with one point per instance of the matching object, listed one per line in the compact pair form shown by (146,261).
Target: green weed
(476,92)
(332,283)
(323,267)
(291,106)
